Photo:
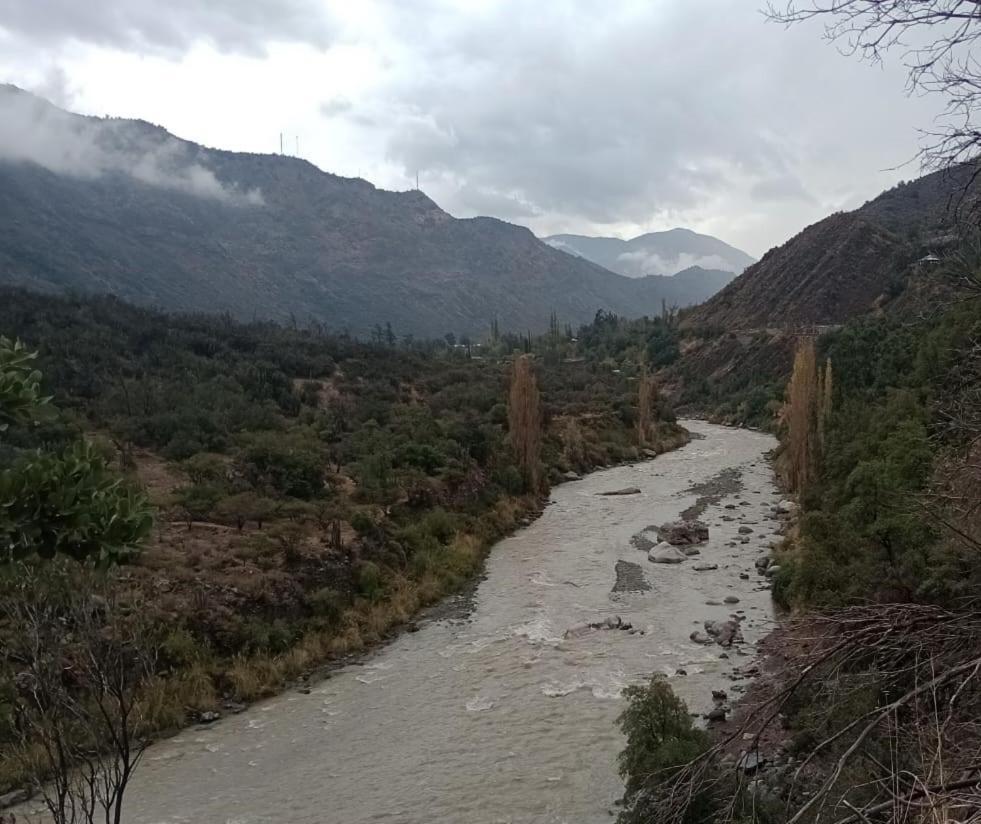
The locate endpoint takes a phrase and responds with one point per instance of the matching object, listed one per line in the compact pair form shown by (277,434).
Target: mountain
(848,264)
(831,271)
(739,345)
(105,205)
(656,253)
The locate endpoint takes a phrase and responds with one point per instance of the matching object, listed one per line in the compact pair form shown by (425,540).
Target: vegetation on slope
(274,237)
(311,492)
(880,430)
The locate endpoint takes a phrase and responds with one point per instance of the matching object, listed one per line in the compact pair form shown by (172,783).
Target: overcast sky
(605,117)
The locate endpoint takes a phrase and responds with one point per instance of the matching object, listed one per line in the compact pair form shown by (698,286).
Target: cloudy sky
(609,117)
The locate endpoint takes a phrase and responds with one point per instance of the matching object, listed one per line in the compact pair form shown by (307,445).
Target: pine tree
(525,420)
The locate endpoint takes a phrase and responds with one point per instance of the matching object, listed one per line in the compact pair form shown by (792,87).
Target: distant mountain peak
(655,253)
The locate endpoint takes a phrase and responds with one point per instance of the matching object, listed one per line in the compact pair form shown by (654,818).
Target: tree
(244,507)
(60,504)
(936,38)
(80,655)
(800,415)
(290,465)
(825,403)
(646,400)
(525,420)
(660,740)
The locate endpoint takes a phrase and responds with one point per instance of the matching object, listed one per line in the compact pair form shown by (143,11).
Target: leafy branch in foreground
(20,384)
(60,504)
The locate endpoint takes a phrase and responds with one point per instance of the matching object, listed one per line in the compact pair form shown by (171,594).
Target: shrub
(370,583)
(660,738)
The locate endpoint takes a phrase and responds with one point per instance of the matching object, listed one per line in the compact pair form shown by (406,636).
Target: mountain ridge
(107,205)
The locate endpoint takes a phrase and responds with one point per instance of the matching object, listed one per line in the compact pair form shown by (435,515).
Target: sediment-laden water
(499,717)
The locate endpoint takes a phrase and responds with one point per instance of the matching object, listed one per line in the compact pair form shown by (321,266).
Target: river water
(497,717)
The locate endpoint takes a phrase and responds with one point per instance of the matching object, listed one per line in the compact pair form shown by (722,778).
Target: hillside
(95,205)
(845,265)
(832,270)
(655,253)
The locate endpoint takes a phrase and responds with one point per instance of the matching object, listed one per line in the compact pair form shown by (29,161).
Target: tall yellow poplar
(525,419)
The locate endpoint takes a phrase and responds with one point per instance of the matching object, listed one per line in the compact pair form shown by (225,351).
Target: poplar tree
(525,420)
(646,399)
(801,415)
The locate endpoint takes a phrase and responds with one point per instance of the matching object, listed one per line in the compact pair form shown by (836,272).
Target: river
(496,717)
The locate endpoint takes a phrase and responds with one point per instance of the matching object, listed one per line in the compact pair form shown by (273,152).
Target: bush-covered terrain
(310,492)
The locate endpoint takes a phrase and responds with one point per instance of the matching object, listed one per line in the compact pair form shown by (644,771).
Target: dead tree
(79,655)
(936,40)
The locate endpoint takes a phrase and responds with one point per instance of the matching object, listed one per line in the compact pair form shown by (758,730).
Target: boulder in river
(704,566)
(571,476)
(690,550)
(642,542)
(786,507)
(629,490)
(771,570)
(745,530)
(700,637)
(724,632)
(664,553)
(683,533)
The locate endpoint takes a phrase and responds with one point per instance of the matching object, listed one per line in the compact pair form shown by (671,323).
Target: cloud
(335,107)
(642,263)
(172,27)
(587,117)
(33,131)
(776,189)
(609,118)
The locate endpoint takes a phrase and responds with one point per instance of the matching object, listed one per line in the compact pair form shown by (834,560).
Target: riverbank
(495,712)
(199,691)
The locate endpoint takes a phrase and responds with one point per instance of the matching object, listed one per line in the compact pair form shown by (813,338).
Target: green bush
(327,603)
(370,582)
(660,738)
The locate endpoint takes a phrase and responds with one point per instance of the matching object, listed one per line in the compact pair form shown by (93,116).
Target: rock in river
(642,542)
(629,490)
(683,533)
(664,553)
(724,632)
